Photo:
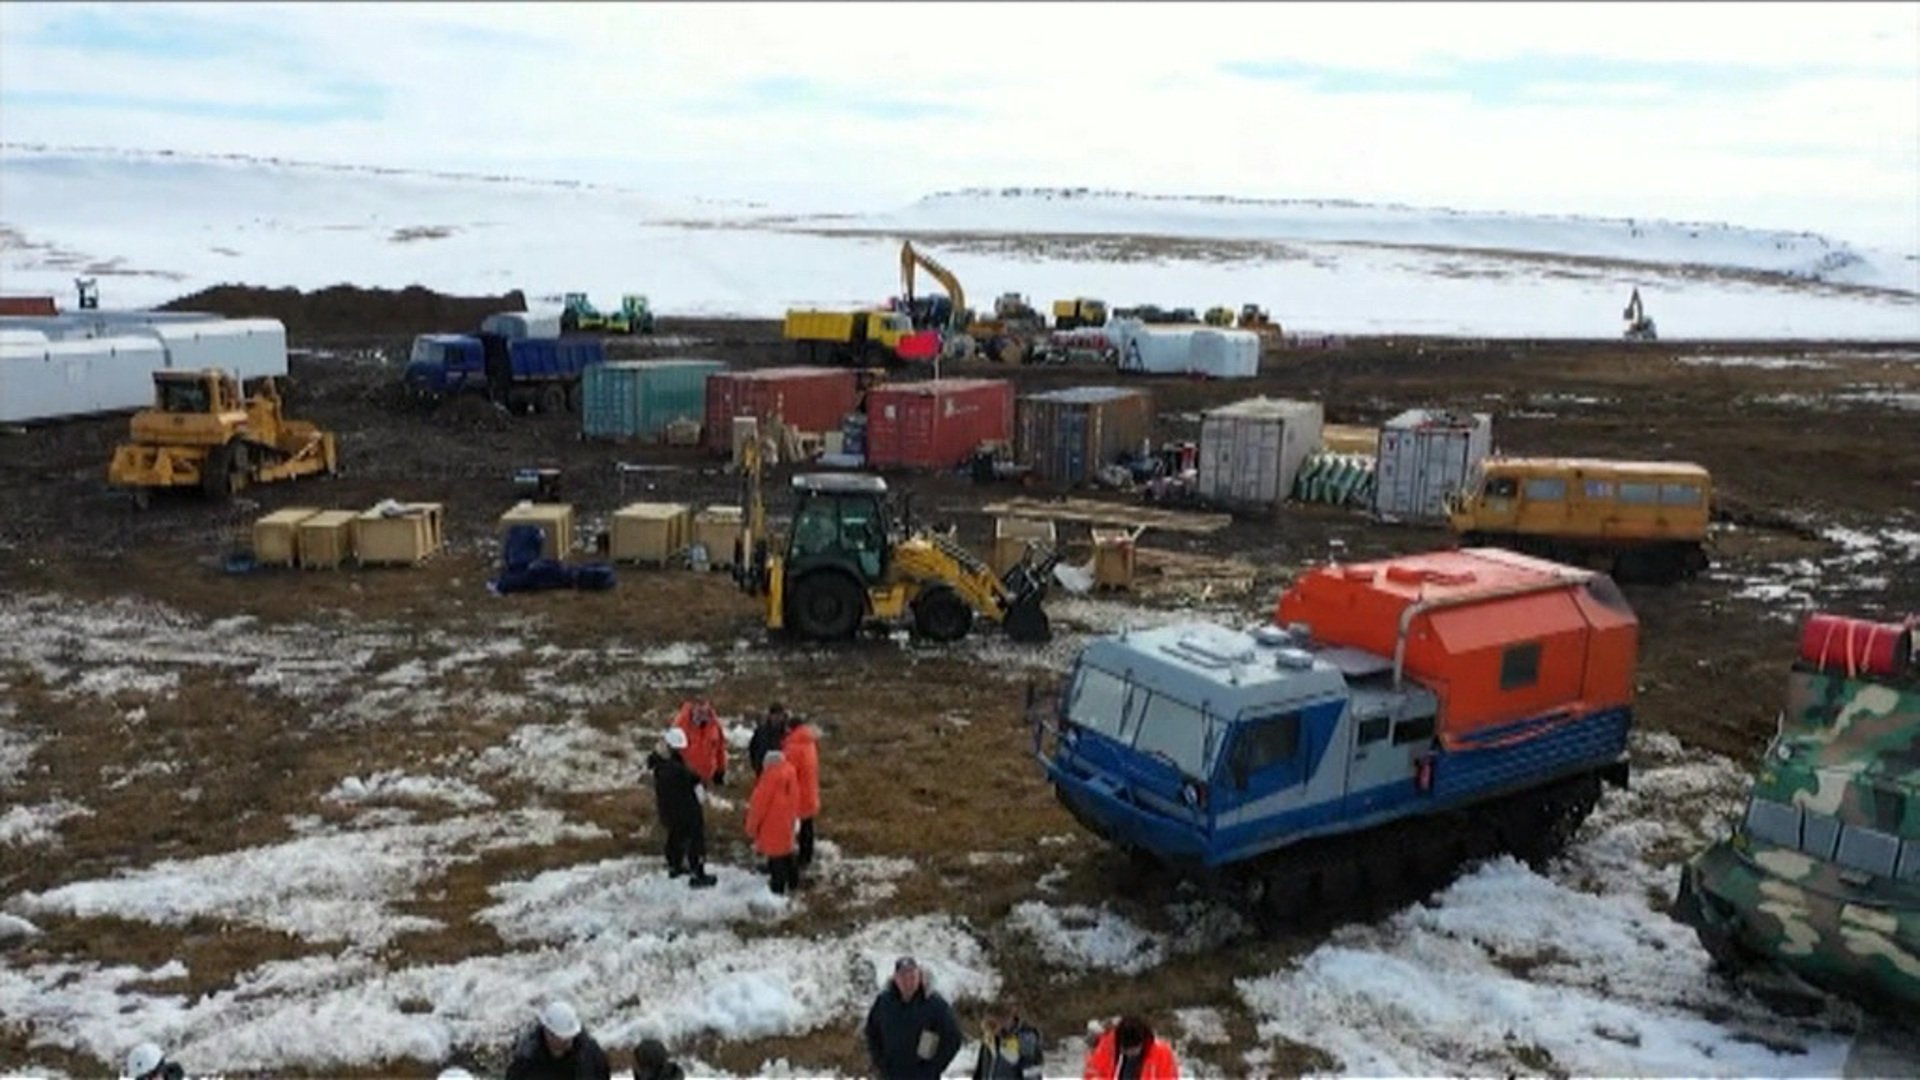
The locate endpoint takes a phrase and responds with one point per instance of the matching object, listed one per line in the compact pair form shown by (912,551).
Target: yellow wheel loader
(201,433)
(844,565)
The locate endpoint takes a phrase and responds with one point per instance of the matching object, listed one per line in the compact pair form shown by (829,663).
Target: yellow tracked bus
(1639,520)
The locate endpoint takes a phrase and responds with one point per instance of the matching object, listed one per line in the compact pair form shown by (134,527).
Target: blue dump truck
(527,374)
(1398,720)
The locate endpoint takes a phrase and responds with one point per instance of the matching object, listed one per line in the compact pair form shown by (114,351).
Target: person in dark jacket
(676,796)
(1011,1049)
(767,735)
(557,1048)
(912,1033)
(650,1062)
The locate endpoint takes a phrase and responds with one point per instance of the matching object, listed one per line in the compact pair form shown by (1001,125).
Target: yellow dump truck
(202,433)
(1640,520)
(1079,312)
(857,336)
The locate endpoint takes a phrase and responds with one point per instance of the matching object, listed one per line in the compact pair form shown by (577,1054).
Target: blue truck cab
(539,372)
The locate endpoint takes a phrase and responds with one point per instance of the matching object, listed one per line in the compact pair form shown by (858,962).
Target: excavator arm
(910,258)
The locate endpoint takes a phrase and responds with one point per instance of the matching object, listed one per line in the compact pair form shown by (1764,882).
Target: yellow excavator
(932,312)
(1639,325)
(201,433)
(845,565)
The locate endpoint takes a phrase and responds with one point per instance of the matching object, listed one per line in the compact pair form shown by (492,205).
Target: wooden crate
(554,519)
(651,532)
(326,539)
(1113,558)
(276,537)
(1010,536)
(398,536)
(718,528)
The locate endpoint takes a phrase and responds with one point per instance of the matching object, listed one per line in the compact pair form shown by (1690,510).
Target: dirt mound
(344,309)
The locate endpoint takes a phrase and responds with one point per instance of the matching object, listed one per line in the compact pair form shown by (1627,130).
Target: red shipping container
(807,399)
(936,425)
(27,305)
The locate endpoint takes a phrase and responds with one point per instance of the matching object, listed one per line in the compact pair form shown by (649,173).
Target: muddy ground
(1797,452)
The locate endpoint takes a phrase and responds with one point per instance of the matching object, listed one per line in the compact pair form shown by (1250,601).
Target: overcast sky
(1798,116)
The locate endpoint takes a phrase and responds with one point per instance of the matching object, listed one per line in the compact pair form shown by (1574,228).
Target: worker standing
(771,816)
(1129,1051)
(706,752)
(911,1031)
(767,736)
(677,798)
(1011,1049)
(558,1048)
(801,747)
(148,1062)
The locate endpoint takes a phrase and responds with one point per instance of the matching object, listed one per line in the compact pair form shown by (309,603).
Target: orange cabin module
(1496,636)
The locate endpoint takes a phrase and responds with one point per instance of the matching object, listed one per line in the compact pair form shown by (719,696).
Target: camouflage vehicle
(1821,876)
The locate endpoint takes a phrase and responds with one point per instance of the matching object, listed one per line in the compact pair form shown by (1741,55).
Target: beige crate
(1010,536)
(718,528)
(326,539)
(681,431)
(650,532)
(407,534)
(276,537)
(556,519)
(1113,558)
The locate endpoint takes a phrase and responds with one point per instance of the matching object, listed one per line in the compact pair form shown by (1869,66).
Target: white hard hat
(559,1018)
(454,1072)
(676,738)
(143,1059)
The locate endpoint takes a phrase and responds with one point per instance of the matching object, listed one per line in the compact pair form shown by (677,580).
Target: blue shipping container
(637,399)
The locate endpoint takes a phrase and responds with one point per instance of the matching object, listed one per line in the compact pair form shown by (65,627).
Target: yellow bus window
(1600,490)
(1547,489)
(1645,494)
(1679,495)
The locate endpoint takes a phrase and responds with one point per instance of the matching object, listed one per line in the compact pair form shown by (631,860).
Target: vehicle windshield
(1149,722)
(183,396)
(425,352)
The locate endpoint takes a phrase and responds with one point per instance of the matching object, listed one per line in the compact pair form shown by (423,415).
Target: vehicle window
(1546,489)
(1412,731)
(1600,490)
(183,397)
(1267,741)
(1774,823)
(1098,701)
(1870,850)
(1643,494)
(1679,495)
(1520,666)
(816,530)
(1372,731)
(1502,487)
(1176,730)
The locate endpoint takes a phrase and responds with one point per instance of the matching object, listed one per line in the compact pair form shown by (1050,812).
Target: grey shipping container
(1426,455)
(637,399)
(1250,451)
(1068,435)
(55,379)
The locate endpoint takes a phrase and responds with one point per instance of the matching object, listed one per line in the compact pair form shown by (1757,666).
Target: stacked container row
(1067,436)
(637,399)
(1424,457)
(807,399)
(938,424)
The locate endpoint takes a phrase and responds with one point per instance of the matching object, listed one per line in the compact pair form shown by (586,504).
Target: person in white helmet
(558,1048)
(147,1062)
(676,796)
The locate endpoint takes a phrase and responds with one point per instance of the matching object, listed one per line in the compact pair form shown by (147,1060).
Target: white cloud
(1675,111)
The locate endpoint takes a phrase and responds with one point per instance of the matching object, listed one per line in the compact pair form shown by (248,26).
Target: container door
(1263,482)
(1382,760)
(1390,496)
(1071,446)
(1215,431)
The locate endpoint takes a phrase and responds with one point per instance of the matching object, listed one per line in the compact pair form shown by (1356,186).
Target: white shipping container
(518,325)
(1225,354)
(1425,456)
(10,335)
(247,348)
(75,378)
(86,325)
(1251,451)
(1152,350)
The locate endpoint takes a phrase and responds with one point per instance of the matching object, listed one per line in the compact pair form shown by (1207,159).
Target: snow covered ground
(1508,970)
(155,228)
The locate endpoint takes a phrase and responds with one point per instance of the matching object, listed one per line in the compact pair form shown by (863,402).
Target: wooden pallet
(1104,513)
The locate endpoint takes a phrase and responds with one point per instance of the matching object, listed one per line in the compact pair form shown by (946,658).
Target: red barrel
(1853,647)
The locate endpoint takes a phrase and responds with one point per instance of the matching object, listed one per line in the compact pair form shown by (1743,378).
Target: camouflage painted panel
(1798,911)
(1849,748)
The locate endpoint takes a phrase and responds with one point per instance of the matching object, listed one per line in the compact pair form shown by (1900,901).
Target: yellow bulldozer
(845,564)
(202,433)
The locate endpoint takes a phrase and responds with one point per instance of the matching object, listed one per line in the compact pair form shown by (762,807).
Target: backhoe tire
(825,607)
(1028,624)
(940,615)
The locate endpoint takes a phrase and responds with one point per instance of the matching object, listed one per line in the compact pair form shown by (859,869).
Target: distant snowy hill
(154,226)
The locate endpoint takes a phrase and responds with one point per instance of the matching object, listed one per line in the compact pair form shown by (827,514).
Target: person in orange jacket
(706,752)
(801,748)
(770,819)
(1129,1051)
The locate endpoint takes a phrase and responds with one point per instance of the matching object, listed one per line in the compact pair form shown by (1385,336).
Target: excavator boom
(910,258)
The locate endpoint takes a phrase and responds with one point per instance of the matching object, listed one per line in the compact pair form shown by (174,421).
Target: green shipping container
(637,399)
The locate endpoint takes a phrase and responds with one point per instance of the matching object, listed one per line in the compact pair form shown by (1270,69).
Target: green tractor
(634,316)
(580,314)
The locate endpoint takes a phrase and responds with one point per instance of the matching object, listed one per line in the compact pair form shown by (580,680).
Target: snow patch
(1075,937)
(26,826)
(396,785)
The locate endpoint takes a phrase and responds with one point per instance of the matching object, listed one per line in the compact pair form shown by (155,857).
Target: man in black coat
(912,1033)
(557,1048)
(767,735)
(677,798)
(650,1062)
